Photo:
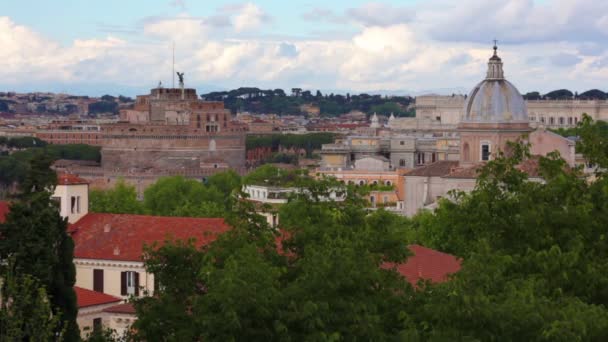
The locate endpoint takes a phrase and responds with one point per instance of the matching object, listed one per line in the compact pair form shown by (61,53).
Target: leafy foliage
(35,239)
(13,167)
(322,282)
(122,199)
(309,142)
(534,254)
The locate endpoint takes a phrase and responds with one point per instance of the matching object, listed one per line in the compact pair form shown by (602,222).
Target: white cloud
(182,28)
(429,50)
(378,14)
(249,17)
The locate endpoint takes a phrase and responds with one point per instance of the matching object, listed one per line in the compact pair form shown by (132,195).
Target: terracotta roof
(70,179)
(122,236)
(124,308)
(529,166)
(90,298)
(465,172)
(436,169)
(428,264)
(4,209)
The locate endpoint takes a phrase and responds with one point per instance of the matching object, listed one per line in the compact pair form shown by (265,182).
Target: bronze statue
(180,75)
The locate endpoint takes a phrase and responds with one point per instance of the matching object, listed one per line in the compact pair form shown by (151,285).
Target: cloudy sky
(407,46)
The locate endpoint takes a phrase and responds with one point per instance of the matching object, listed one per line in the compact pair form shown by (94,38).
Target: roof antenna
(173,68)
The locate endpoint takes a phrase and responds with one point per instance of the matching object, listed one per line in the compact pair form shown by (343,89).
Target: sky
(95,47)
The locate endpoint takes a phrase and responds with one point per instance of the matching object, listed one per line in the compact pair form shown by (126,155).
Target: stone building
(437,112)
(402,151)
(494,114)
(172,129)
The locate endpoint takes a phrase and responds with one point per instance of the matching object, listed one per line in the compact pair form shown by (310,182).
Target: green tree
(122,199)
(25,310)
(534,254)
(35,237)
(323,281)
(178,196)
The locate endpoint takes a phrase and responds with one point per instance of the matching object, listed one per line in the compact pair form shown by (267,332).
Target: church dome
(495,100)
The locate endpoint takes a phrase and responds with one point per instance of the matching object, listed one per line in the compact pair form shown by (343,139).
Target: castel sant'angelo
(168,132)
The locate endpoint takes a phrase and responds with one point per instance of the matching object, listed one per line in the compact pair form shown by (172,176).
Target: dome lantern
(495,100)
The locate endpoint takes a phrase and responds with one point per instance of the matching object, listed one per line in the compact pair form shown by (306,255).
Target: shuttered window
(98,280)
(129,283)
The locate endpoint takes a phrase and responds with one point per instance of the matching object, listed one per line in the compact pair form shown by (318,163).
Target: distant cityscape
(271,214)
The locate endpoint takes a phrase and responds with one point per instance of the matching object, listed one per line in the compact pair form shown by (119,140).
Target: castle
(172,129)
(168,132)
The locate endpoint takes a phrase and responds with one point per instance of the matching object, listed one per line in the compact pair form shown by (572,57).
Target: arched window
(466,152)
(361,182)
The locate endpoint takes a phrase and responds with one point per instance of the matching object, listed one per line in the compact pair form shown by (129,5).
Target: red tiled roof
(436,169)
(124,308)
(4,209)
(90,298)
(466,172)
(428,264)
(69,179)
(122,236)
(529,166)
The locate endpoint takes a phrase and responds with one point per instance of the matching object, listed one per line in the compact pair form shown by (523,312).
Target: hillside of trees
(277,101)
(565,94)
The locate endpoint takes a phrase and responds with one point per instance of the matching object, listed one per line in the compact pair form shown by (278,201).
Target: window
(361,182)
(551,121)
(98,280)
(570,121)
(433,157)
(97,324)
(561,120)
(75,204)
(198,121)
(129,283)
(385,199)
(485,151)
(402,162)
(575,120)
(420,158)
(542,119)
(372,199)
(402,142)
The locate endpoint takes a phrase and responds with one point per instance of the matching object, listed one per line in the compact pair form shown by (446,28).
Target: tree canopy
(35,243)
(276,101)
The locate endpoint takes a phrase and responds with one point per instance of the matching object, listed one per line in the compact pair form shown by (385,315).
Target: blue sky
(123,46)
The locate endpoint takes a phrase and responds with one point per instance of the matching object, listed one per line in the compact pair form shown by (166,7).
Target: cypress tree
(35,237)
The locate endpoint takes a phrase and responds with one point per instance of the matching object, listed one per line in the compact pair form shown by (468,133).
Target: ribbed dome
(495,100)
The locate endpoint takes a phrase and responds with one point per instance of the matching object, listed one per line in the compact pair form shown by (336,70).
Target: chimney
(116,251)
(107,228)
